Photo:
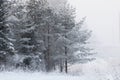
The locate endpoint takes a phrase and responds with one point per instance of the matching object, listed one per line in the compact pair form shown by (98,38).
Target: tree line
(36,36)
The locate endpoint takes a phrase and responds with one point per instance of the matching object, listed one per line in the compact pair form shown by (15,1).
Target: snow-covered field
(35,76)
(96,70)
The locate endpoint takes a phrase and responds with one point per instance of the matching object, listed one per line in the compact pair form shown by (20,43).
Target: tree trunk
(48,50)
(61,66)
(66,64)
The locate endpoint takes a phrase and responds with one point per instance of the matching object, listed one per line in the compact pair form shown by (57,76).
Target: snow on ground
(43,76)
(99,69)
(35,76)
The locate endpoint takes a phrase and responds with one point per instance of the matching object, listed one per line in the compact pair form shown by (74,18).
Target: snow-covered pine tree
(42,16)
(6,45)
(71,38)
(65,22)
(79,41)
(26,45)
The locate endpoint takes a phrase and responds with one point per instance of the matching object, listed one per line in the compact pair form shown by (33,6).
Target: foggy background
(103,18)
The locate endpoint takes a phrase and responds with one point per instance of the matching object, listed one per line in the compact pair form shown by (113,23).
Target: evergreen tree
(71,38)
(65,22)
(6,46)
(26,44)
(42,16)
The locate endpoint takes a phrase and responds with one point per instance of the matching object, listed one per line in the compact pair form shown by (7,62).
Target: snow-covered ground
(100,69)
(96,70)
(43,76)
(105,67)
(35,76)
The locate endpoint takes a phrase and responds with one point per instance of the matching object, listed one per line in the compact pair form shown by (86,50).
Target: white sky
(102,17)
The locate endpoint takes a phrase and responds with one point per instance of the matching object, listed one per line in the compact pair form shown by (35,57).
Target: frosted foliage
(28,29)
(12,19)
